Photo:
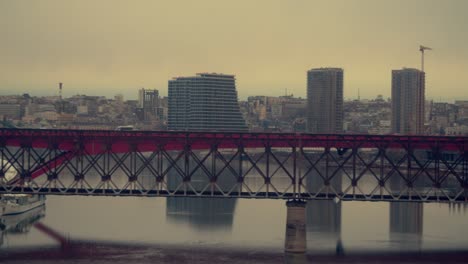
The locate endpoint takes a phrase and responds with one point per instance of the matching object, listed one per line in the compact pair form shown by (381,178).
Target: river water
(247,223)
(227,224)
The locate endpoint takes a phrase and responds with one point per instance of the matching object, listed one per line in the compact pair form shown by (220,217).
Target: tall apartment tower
(325,100)
(207,102)
(408,87)
(148,100)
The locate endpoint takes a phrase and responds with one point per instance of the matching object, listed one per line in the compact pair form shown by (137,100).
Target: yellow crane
(422,49)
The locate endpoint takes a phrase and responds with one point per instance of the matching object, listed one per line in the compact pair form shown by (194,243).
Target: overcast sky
(105,47)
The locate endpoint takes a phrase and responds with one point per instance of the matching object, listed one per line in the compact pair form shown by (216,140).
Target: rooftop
(326,69)
(206,75)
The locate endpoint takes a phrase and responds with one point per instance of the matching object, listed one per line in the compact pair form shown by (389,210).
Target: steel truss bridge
(235,165)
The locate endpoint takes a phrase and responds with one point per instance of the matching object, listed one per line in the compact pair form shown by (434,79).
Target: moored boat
(12,204)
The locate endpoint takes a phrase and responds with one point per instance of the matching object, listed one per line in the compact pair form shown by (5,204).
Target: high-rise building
(148,100)
(408,87)
(325,100)
(207,101)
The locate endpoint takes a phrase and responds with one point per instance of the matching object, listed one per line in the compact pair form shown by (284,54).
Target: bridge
(293,167)
(234,165)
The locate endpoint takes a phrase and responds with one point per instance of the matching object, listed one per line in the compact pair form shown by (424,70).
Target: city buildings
(408,101)
(367,116)
(274,114)
(207,101)
(325,100)
(148,100)
(212,99)
(12,111)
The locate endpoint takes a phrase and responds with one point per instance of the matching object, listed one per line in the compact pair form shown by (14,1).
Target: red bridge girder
(309,166)
(94,142)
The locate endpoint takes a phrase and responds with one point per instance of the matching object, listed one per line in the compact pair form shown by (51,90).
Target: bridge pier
(295,240)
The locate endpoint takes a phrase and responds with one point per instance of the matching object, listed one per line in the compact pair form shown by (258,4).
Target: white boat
(13,204)
(20,223)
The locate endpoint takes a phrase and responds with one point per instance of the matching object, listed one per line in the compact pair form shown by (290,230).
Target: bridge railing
(246,165)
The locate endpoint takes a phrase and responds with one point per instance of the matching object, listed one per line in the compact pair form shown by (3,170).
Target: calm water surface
(245,223)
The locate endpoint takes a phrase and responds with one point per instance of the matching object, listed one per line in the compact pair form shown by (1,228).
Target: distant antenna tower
(359,94)
(60,90)
(60,103)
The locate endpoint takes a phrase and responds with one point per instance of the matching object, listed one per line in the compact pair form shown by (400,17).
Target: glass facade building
(325,100)
(408,87)
(205,102)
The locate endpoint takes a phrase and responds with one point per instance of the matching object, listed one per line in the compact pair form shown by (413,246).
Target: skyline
(132,93)
(112,47)
(264,131)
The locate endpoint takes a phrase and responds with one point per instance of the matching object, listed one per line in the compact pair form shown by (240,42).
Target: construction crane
(422,49)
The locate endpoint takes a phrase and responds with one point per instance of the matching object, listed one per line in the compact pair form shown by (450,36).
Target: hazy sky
(108,47)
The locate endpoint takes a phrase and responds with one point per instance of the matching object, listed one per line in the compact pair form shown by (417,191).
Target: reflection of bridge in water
(323,219)
(215,215)
(294,167)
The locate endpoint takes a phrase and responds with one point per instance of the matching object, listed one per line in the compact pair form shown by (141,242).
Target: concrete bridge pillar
(295,240)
